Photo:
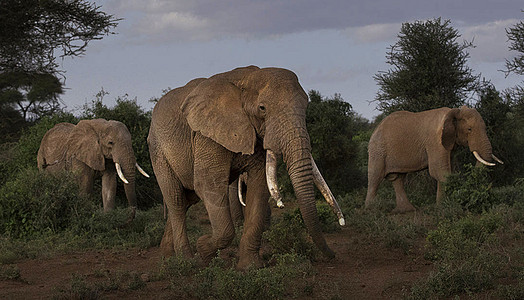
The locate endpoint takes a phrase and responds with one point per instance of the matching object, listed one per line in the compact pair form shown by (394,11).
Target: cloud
(181,20)
(490,40)
(374,33)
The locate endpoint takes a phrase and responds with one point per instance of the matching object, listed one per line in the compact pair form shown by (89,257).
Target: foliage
(34,95)
(516,38)
(465,258)
(36,203)
(429,69)
(331,124)
(288,235)
(33,31)
(470,188)
(268,283)
(463,238)
(474,275)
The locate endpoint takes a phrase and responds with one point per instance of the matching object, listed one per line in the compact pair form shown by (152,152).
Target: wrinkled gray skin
(236,208)
(208,132)
(91,149)
(407,142)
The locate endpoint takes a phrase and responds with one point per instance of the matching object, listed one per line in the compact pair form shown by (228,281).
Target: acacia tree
(429,69)
(32,34)
(516,65)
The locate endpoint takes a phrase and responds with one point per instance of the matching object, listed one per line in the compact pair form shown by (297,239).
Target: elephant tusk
(120,174)
(477,156)
(141,170)
(326,192)
(240,181)
(271,177)
(497,159)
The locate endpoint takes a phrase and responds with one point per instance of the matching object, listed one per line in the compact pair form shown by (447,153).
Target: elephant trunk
(297,156)
(127,162)
(483,152)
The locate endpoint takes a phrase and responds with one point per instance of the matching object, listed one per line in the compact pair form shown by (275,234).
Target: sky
(334,46)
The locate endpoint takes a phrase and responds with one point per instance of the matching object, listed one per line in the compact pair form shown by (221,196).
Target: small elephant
(205,134)
(90,148)
(407,142)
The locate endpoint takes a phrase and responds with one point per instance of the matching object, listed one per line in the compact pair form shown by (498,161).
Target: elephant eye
(469,129)
(262,107)
(110,143)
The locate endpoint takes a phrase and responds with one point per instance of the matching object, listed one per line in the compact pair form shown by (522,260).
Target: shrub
(36,202)
(470,188)
(289,236)
(472,275)
(463,238)
(217,282)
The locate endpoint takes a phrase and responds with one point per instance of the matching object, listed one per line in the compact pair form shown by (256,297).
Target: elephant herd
(214,133)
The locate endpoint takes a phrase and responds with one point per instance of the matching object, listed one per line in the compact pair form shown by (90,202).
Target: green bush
(289,236)
(463,238)
(464,258)
(472,275)
(471,188)
(217,282)
(36,202)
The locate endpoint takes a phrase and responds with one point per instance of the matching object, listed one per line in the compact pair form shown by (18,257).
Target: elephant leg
(403,204)
(211,181)
(257,212)
(85,176)
(109,189)
(175,233)
(375,177)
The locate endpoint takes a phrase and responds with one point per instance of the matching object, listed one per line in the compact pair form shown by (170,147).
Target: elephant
(204,135)
(406,142)
(93,148)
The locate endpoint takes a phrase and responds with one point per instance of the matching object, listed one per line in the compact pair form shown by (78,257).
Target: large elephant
(92,148)
(407,142)
(205,134)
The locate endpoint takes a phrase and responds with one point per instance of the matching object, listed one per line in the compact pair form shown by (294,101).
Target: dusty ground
(360,271)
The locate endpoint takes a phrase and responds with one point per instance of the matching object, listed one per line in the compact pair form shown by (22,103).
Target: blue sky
(333,46)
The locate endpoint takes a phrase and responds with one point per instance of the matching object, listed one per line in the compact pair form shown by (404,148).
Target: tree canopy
(32,34)
(429,69)
(516,64)
(31,31)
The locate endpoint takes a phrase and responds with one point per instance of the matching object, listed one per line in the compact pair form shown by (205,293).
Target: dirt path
(360,271)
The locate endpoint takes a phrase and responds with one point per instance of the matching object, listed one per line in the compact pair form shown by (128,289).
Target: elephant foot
(249,260)
(206,248)
(403,209)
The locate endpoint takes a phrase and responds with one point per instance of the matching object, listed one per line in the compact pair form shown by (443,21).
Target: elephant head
(105,146)
(464,126)
(239,107)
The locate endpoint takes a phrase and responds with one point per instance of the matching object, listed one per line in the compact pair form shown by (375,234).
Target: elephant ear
(448,130)
(83,144)
(214,108)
